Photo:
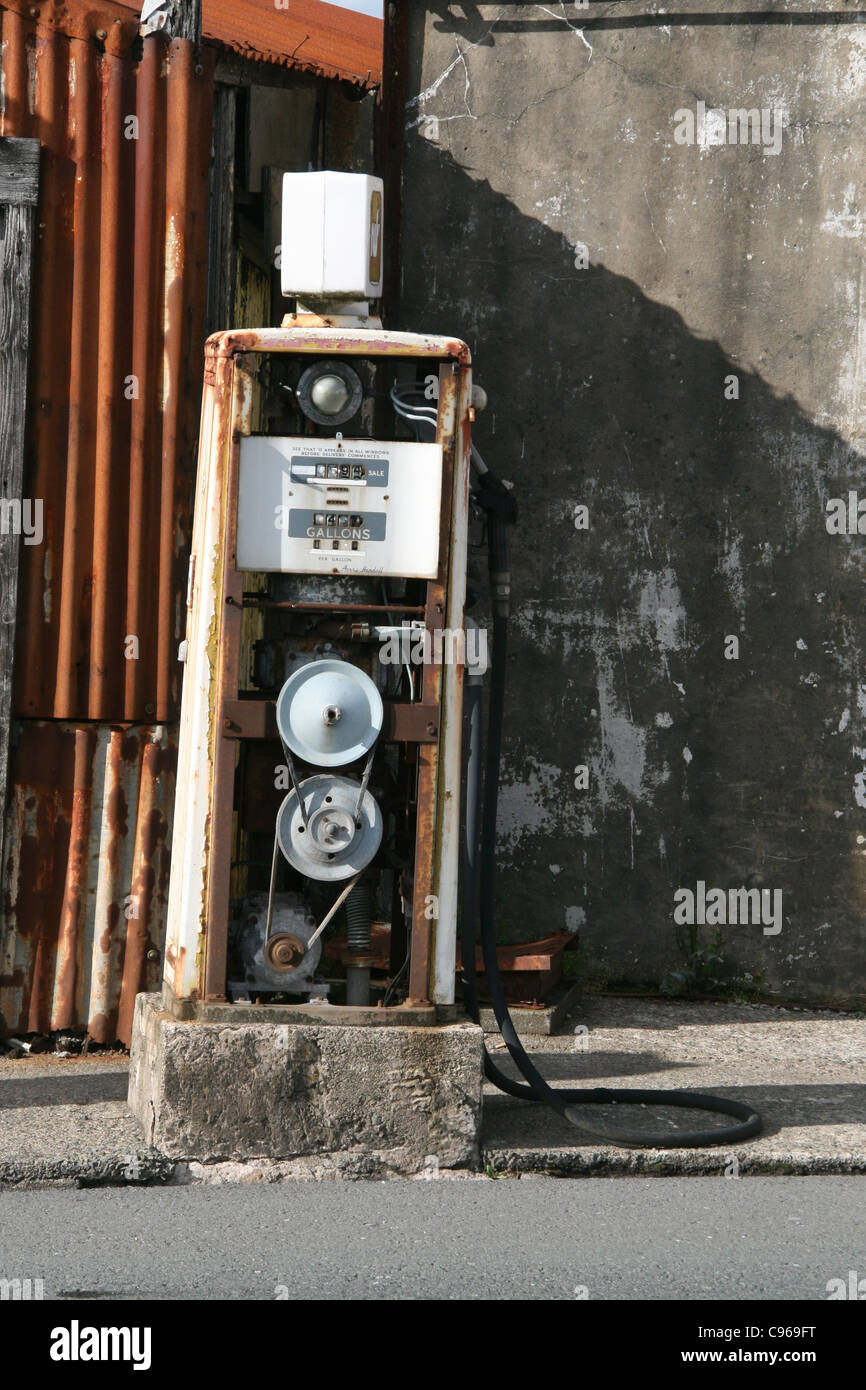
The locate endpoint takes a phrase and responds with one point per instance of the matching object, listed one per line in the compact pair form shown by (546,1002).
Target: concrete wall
(533,132)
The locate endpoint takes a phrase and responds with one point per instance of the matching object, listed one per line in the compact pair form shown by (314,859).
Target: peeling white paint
(731,565)
(574,918)
(860,777)
(660,607)
(852,80)
(622,758)
(850,221)
(531,804)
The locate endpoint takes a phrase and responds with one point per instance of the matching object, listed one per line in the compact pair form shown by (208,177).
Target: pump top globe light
(330,392)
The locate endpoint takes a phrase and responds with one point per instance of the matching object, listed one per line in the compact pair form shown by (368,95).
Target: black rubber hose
(565,1102)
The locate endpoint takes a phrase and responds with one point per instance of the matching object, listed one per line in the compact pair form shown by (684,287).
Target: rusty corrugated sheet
(86,876)
(117,352)
(305,34)
(111,435)
(116,367)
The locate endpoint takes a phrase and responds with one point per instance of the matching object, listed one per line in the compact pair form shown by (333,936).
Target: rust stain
(86,875)
(360,342)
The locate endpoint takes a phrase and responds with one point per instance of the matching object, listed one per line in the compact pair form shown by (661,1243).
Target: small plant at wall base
(701,962)
(748,989)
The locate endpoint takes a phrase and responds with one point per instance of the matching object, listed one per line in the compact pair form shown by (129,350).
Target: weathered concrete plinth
(386,1099)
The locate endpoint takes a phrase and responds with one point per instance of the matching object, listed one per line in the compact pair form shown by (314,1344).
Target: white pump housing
(331,237)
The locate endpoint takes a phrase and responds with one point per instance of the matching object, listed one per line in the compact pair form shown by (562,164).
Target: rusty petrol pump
(318,789)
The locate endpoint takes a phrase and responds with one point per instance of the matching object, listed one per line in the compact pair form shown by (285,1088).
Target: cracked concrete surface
(65,1121)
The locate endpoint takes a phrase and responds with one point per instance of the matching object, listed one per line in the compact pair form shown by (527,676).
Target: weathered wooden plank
(187,22)
(19,184)
(19,171)
(221,236)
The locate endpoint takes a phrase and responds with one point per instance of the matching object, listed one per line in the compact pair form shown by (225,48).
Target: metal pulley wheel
(285,959)
(284,951)
(333,844)
(329,713)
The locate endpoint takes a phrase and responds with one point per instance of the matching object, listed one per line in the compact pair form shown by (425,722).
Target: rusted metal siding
(112,422)
(305,34)
(117,355)
(111,437)
(86,875)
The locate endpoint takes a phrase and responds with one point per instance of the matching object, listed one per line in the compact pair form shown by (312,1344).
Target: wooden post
(389,140)
(187,24)
(176,19)
(221,231)
(19,189)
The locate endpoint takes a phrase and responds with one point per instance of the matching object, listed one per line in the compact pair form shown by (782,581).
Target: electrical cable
(496,500)
(406,667)
(415,413)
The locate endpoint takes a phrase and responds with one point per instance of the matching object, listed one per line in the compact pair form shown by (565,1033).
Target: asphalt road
(533,1238)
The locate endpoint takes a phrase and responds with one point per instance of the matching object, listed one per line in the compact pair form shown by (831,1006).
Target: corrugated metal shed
(299,33)
(116,356)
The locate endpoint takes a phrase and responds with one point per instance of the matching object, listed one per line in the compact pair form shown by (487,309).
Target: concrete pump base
(402,1099)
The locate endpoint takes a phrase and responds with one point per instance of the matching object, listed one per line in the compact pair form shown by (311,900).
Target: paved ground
(804,1072)
(539,1238)
(66,1119)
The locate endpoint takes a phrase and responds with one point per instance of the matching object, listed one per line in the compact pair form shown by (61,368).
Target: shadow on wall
(706,522)
(471,25)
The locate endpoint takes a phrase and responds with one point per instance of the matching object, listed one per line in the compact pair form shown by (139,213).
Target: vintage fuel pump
(320,754)
(316,847)
(319,773)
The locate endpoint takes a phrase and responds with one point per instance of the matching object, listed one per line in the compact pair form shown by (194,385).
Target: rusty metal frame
(424,906)
(226,418)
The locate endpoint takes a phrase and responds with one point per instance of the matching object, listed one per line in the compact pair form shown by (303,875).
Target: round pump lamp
(329,713)
(329,392)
